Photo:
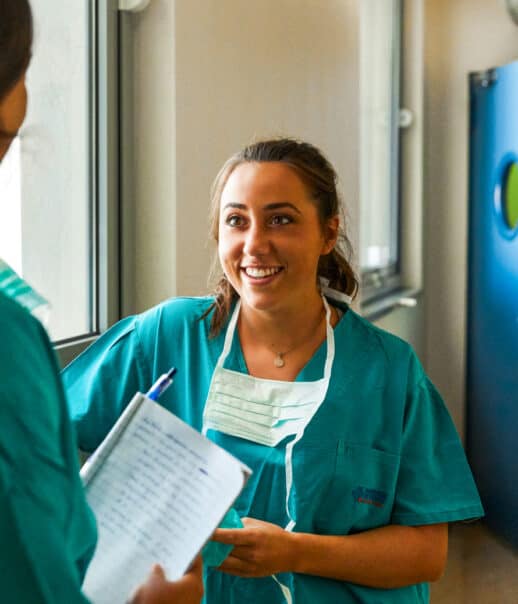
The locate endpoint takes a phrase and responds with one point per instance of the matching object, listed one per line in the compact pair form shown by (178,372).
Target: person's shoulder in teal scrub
(46,528)
(131,355)
(48,532)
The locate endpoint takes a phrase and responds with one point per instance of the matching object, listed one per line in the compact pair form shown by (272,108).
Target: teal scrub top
(47,530)
(380,450)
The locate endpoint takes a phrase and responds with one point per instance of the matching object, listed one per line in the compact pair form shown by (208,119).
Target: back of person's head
(15,42)
(320,178)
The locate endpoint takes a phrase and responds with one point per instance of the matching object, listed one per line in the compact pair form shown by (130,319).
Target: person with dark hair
(47,530)
(15,54)
(357,467)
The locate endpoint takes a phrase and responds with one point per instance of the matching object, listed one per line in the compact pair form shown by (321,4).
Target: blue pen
(163,382)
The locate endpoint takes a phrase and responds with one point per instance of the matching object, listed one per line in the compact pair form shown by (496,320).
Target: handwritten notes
(157,497)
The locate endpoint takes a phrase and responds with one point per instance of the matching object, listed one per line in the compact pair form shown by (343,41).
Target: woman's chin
(260,301)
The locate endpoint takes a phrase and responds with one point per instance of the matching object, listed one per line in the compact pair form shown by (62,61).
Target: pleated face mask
(262,410)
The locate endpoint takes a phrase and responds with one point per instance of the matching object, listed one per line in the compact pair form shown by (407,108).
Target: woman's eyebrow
(278,205)
(237,206)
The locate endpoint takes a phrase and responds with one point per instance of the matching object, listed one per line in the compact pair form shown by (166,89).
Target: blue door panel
(492,355)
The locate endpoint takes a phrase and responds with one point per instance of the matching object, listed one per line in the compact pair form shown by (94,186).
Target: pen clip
(163,382)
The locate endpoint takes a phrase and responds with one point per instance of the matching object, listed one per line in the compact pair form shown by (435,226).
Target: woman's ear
(330,234)
(13,107)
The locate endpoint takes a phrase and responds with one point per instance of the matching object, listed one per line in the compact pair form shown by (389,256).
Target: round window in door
(510,197)
(506,196)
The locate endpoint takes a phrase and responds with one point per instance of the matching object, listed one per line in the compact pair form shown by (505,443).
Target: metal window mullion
(107,156)
(93,166)
(395,135)
(127,184)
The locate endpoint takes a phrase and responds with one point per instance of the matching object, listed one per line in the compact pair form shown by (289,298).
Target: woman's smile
(261,273)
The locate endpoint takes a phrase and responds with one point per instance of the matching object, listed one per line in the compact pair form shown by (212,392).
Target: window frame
(383,289)
(379,281)
(105,257)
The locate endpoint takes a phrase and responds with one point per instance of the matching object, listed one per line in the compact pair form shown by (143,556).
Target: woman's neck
(282,327)
(278,344)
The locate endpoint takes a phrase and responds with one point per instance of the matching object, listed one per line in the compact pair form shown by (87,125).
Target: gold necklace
(278,361)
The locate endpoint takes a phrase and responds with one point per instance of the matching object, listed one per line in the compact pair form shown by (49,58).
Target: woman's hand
(385,558)
(158,590)
(260,549)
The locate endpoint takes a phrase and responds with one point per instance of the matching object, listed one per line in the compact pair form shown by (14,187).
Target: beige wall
(460,36)
(154,149)
(210,76)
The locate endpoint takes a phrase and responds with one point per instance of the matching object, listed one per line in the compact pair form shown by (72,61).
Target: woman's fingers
(158,590)
(232,536)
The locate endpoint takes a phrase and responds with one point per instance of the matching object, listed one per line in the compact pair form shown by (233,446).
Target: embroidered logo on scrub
(369,496)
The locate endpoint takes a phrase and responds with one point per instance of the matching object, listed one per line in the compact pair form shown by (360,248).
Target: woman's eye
(280,220)
(235,220)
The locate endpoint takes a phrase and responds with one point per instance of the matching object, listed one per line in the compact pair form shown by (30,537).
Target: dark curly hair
(320,178)
(15,42)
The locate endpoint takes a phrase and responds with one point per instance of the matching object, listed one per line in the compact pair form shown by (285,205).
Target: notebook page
(158,498)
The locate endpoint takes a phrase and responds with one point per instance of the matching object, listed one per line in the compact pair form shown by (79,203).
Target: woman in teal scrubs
(47,530)
(357,467)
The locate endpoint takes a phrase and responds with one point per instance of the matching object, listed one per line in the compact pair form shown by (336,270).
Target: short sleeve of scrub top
(131,355)
(434,482)
(102,380)
(47,530)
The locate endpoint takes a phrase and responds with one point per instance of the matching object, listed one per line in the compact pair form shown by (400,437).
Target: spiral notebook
(158,489)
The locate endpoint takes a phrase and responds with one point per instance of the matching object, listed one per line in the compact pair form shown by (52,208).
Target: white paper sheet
(158,497)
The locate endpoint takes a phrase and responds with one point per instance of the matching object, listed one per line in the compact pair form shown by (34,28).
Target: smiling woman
(296,173)
(270,239)
(356,464)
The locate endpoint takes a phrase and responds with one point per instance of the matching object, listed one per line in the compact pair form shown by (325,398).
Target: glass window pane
(47,174)
(379,56)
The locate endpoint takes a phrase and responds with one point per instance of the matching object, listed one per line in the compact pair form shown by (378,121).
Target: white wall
(407,323)
(461,36)
(210,76)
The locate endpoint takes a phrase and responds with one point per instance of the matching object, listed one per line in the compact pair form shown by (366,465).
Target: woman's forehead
(263,180)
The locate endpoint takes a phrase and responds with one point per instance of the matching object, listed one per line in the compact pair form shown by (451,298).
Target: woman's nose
(256,241)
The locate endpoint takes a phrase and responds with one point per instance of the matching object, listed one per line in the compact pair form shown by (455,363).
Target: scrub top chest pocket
(343,487)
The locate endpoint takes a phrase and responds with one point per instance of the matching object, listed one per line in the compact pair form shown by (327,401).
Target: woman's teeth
(260,273)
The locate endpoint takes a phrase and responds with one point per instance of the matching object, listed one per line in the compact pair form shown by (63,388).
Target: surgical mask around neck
(262,410)
(15,287)
(333,294)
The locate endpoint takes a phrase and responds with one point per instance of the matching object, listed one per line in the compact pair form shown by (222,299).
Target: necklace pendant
(278,361)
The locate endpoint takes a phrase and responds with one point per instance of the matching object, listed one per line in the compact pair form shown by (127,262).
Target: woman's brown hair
(320,178)
(15,42)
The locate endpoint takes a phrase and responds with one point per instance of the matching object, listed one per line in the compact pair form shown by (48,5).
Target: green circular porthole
(510,197)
